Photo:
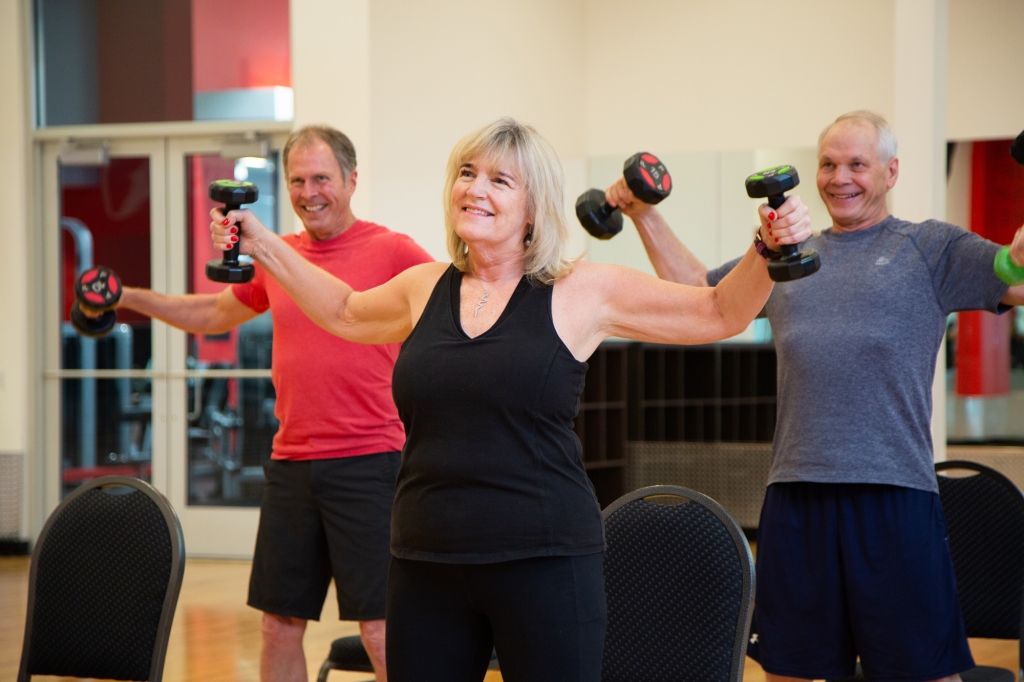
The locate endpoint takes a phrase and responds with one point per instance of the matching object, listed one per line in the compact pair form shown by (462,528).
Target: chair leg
(324,669)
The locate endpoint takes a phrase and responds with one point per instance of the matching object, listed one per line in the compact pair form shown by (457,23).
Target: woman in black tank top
(496,533)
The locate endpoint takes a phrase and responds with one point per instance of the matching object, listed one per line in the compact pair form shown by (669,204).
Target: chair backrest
(984,513)
(105,577)
(679,578)
(985,519)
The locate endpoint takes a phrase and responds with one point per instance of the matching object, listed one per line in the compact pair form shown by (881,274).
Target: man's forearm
(194,313)
(669,256)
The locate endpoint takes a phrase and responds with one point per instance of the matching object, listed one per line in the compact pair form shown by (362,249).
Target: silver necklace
(483,299)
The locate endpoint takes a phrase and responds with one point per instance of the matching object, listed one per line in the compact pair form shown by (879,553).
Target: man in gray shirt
(852,559)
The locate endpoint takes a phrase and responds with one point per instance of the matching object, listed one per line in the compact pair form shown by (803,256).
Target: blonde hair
(536,164)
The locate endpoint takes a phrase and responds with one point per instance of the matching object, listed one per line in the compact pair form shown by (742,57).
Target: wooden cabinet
(601,423)
(723,392)
(637,392)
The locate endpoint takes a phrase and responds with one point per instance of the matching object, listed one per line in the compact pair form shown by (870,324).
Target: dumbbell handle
(608,209)
(775,201)
(231,255)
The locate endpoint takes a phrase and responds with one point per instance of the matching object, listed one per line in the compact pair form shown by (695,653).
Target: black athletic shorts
(321,519)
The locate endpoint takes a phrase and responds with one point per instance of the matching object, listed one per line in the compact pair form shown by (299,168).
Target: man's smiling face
(319,193)
(853,179)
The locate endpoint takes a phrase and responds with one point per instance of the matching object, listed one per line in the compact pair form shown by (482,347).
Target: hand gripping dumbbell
(648,180)
(232,193)
(97,290)
(1004,267)
(791,263)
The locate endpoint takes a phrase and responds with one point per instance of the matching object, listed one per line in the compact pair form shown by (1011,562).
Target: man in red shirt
(326,505)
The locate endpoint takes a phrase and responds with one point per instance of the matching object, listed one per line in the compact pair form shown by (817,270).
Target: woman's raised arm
(384,314)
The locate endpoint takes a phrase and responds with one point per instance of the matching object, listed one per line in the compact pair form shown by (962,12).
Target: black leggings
(545,616)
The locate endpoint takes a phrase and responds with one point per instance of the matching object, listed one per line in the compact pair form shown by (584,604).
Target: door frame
(209,530)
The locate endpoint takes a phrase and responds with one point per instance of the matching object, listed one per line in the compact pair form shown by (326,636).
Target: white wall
(19,274)
(675,76)
(985,99)
(14,231)
(330,42)
(441,70)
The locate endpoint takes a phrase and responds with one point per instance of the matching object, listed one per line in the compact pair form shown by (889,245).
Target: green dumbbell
(1004,267)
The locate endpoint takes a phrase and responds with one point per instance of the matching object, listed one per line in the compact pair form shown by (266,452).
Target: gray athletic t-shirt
(857,344)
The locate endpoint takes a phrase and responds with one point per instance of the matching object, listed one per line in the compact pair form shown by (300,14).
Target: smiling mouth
(314,209)
(477,211)
(845,196)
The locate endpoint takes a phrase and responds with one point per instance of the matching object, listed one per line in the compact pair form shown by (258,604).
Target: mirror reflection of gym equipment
(107,429)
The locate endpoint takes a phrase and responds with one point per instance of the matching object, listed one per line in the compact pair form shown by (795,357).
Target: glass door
(103,204)
(221,397)
(193,414)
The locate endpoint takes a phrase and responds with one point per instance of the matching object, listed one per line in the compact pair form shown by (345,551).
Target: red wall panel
(997,211)
(238,44)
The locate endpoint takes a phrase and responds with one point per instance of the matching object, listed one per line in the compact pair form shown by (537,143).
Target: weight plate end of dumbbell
(797,266)
(647,178)
(93,327)
(218,271)
(772,182)
(590,211)
(235,192)
(98,288)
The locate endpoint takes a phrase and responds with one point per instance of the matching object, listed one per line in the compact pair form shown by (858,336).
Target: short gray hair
(887,147)
(344,150)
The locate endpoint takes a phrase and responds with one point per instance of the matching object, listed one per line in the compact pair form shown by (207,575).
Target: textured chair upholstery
(679,578)
(984,513)
(105,577)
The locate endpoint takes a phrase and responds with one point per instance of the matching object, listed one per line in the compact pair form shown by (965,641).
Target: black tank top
(491,470)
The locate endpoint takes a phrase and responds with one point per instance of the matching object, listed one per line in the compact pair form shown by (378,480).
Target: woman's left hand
(788,224)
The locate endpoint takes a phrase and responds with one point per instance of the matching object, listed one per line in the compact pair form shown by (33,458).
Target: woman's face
(489,204)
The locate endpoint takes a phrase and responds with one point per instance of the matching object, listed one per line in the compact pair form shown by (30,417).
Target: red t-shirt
(333,396)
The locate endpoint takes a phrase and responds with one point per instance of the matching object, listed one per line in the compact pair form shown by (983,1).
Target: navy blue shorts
(856,570)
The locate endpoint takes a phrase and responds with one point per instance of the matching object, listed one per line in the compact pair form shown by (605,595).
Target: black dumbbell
(791,263)
(1017,149)
(97,290)
(232,193)
(648,180)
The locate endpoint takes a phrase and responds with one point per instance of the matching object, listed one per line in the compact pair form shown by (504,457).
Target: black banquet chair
(104,582)
(984,513)
(679,578)
(348,654)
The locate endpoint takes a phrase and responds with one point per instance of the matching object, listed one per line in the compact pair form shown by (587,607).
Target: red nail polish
(234,230)
(226,222)
(771,216)
(776,240)
(235,239)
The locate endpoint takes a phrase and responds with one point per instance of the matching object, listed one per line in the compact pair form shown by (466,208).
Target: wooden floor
(216,637)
